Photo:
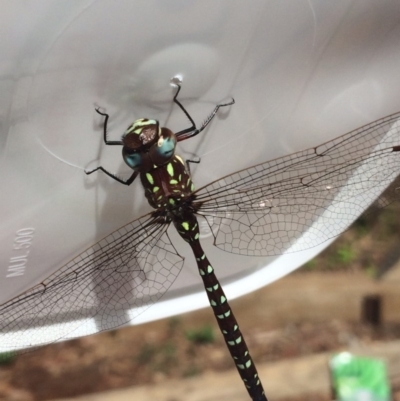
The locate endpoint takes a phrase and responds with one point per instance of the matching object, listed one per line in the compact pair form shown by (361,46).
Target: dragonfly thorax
(167,186)
(146,145)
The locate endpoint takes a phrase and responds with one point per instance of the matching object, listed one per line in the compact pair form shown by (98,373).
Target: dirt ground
(310,312)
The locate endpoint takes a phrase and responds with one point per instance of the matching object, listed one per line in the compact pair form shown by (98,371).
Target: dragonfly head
(146,145)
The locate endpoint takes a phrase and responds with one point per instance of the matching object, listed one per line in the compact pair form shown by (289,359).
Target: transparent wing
(104,287)
(267,208)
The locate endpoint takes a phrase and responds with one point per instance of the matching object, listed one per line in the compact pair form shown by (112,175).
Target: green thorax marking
(163,183)
(170,169)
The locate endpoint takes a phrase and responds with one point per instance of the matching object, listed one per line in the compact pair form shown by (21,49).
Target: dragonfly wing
(104,287)
(267,208)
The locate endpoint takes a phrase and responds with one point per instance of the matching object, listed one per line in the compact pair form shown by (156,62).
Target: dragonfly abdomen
(188,228)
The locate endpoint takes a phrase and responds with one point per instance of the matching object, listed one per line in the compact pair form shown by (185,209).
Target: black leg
(193,127)
(127,182)
(191,161)
(193,131)
(106,141)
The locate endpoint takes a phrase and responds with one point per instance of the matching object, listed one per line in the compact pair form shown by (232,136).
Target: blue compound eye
(166,146)
(132,159)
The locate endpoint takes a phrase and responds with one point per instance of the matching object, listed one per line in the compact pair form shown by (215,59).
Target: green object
(359,378)
(6,358)
(203,335)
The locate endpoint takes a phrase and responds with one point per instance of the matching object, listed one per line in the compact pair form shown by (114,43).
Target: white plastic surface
(301,73)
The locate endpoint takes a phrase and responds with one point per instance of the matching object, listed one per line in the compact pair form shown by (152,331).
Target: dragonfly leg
(106,141)
(193,130)
(191,161)
(120,180)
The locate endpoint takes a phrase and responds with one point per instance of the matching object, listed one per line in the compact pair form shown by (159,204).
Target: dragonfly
(262,210)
